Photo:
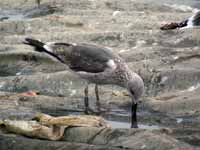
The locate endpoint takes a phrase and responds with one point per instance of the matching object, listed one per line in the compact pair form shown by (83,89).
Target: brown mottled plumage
(97,65)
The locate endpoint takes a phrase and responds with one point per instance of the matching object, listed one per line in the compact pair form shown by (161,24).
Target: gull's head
(135,87)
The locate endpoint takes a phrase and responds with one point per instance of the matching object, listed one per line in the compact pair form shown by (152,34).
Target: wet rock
(182,103)
(188,135)
(43,10)
(15,143)
(122,138)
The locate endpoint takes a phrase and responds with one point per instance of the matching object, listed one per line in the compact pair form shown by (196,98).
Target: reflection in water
(116,124)
(12,17)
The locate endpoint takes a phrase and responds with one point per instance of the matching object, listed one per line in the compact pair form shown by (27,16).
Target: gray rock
(16,143)
(7,28)
(42,10)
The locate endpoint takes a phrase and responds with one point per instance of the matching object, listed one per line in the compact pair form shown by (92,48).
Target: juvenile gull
(96,65)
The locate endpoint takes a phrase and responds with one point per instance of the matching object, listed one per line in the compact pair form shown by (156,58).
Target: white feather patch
(115,13)
(47,48)
(74,44)
(111,64)
(190,21)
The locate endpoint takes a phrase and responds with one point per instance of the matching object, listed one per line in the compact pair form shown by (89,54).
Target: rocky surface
(96,138)
(168,61)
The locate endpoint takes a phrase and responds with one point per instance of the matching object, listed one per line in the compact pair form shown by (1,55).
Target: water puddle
(17,17)
(117,119)
(11,16)
(117,124)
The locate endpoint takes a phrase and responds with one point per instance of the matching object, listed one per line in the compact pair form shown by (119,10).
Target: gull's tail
(41,47)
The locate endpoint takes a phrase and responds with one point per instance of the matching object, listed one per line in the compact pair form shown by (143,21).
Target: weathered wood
(80,120)
(51,128)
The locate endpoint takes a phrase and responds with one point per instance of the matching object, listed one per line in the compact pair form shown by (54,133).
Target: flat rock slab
(103,137)
(180,103)
(12,142)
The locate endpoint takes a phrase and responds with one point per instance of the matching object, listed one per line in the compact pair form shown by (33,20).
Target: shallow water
(12,15)
(115,119)
(117,124)
(16,17)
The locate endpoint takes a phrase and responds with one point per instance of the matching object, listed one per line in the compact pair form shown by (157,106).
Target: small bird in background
(191,22)
(97,65)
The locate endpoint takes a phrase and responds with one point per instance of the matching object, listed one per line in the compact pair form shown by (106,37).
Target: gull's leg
(97,98)
(86,100)
(134,115)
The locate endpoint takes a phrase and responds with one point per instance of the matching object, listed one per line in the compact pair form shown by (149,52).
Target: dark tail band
(39,46)
(35,43)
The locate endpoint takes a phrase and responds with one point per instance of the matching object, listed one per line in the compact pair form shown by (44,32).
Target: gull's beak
(134,113)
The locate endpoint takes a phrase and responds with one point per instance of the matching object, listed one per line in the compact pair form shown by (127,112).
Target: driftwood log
(52,128)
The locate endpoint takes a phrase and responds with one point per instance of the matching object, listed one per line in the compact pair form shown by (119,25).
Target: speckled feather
(82,57)
(95,64)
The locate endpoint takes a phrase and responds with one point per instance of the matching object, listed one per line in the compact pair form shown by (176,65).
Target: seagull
(191,22)
(97,65)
